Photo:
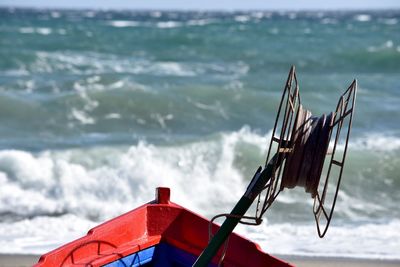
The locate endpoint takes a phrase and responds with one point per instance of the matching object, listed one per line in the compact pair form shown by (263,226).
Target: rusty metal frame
(286,116)
(344,109)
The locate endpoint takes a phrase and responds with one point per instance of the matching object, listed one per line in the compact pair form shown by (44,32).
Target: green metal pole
(258,182)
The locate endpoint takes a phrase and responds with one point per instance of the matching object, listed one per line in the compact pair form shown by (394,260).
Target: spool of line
(310,141)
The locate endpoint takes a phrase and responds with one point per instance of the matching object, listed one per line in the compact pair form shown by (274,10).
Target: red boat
(160,233)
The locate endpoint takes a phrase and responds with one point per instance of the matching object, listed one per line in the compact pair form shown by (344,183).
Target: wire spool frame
(323,207)
(282,131)
(302,143)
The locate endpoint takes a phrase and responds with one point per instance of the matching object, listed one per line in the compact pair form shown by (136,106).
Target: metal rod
(256,185)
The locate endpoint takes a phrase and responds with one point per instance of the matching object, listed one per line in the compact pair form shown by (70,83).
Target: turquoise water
(99,107)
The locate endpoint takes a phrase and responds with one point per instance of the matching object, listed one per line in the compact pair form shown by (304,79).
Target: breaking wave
(76,188)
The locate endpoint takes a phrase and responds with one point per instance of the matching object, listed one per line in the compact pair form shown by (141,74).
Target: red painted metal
(146,226)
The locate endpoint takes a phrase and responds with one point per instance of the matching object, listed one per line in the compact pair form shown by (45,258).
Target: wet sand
(9,260)
(12,260)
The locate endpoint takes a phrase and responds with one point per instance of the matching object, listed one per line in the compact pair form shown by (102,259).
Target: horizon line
(202,10)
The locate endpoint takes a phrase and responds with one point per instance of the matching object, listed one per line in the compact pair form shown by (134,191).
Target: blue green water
(99,107)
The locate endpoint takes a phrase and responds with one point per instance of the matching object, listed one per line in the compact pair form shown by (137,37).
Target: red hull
(147,226)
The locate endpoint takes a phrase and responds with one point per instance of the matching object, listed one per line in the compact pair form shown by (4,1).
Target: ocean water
(97,108)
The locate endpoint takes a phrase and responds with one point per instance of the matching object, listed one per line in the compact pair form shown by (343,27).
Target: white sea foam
(40,30)
(62,182)
(43,31)
(92,63)
(367,240)
(376,142)
(170,68)
(200,22)
(363,17)
(61,194)
(112,116)
(41,234)
(242,18)
(123,23)
(160,24)
(168,24)
(82,116)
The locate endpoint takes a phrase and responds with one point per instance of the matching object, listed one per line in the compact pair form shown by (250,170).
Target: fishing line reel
(308,148)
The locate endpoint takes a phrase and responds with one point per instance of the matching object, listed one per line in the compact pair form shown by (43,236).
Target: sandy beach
(12,260)
(9,260)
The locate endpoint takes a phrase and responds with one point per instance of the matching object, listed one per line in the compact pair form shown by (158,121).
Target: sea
(100,107)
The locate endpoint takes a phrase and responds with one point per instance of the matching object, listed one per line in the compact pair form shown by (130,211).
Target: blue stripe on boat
(162,255)
(137,259)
